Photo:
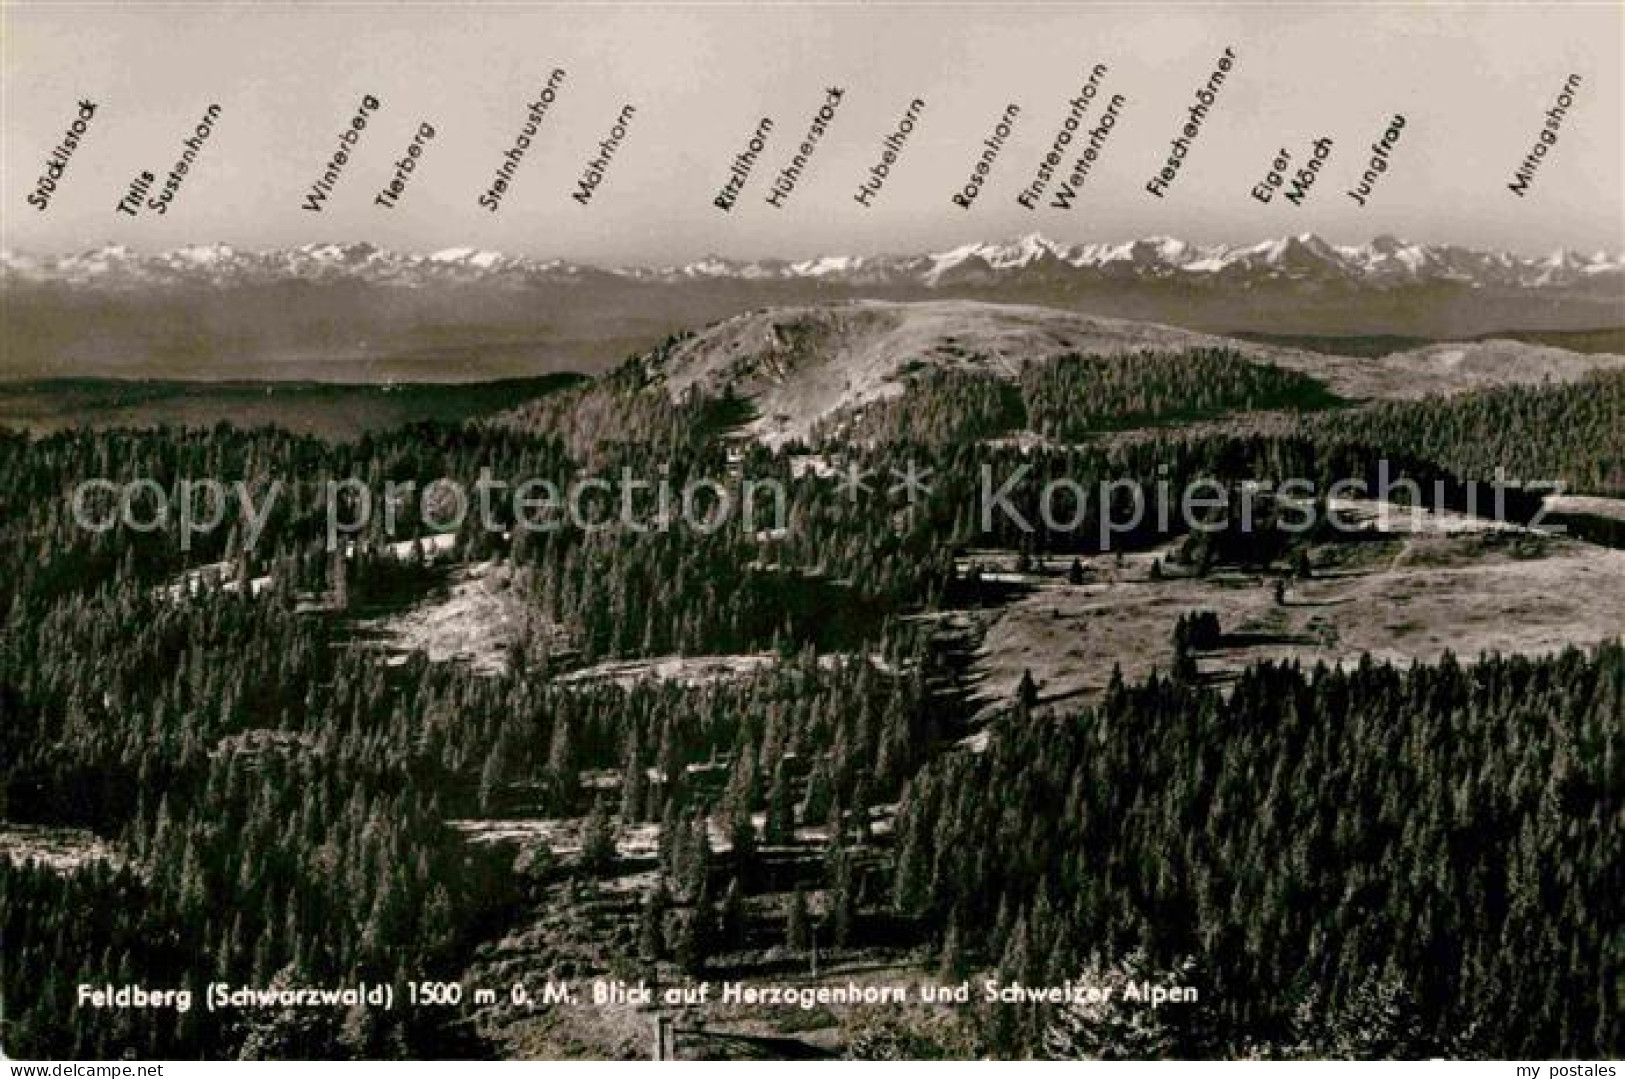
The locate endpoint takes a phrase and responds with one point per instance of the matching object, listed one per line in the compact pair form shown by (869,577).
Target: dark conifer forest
(1377,859)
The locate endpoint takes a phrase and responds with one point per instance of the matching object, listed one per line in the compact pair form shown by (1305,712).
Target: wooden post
(663,1046)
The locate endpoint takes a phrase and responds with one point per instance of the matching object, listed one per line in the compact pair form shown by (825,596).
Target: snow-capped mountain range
(1307,259)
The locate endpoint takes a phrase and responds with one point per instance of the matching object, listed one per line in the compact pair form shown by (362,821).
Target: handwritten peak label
(139,197)
(785,182)
(743,162)
(1180,147)
(348,139)
(1381,151)
(56,165)
(991,146)
(1524,175)
(598,167)
(890,148)
(491,198)
(1030,195)
(1297,179)
(392,191)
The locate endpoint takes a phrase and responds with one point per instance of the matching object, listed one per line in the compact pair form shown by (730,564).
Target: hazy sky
(1473,82)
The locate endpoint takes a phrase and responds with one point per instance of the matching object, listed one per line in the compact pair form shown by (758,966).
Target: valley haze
(355,312)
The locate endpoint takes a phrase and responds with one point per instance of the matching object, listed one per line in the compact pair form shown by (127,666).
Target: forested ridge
(1574,433)
(1569,433)
(1368,862)
(1073,397)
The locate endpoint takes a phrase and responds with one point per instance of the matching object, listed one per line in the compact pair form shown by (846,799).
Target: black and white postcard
(812,531)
